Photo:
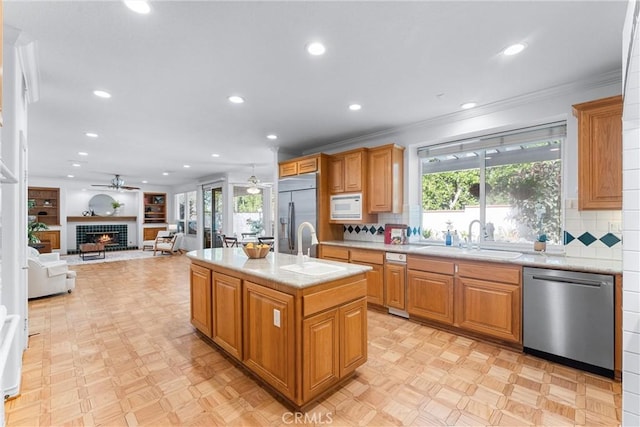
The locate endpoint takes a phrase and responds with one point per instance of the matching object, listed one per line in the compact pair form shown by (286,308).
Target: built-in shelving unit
(155,208)
(46,204)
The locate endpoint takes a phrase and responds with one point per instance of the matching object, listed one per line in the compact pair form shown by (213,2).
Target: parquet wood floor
(120,351)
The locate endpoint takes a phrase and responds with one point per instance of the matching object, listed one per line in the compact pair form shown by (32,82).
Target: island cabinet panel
(430,296)
(227,313)
(394,277)
(200,283)
(321,335)
(353,336)
(269,339)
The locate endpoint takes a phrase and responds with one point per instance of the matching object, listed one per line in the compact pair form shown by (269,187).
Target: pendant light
(253,188)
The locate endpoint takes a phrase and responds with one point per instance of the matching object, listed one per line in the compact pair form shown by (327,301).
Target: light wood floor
(119,351)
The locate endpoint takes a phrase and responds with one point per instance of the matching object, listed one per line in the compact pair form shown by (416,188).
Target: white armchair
(149,244)
(48,274)
(168,244)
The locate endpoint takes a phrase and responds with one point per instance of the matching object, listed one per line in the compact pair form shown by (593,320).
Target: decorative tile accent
(587,238)
(82,230)
(609,239)
(568,238)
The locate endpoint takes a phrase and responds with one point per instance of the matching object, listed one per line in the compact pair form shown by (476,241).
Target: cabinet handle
(455,268)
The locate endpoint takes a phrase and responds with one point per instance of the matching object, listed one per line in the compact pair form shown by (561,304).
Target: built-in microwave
(346,207)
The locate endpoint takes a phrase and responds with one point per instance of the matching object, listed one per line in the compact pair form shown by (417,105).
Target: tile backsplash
(592,234)
(587,234)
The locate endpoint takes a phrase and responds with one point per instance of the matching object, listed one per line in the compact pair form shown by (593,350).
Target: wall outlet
(276,317)
(615,227)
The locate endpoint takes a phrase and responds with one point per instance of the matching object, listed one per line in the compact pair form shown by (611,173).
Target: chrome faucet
(479,233)
(314,239)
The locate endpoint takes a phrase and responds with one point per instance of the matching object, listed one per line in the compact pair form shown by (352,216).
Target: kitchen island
(300,329)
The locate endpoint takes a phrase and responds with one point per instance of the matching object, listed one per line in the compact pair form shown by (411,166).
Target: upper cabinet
(348,171)
(386,175)
(600,154)
(155,208)
(298,166)
(44,203)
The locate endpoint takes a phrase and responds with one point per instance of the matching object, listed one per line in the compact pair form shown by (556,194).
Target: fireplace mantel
(97,218)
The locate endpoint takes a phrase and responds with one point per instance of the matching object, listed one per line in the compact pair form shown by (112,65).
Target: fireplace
(113,237)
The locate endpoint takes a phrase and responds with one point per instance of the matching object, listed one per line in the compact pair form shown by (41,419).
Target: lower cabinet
(394,278)
(375,277)
(337,339)
(430,296)
(227,313)
(269,336)
(52,236)
(200,284)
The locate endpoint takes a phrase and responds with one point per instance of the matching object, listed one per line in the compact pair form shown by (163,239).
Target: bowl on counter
(256,250)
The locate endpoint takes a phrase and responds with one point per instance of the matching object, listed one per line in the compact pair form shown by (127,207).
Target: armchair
(48,274)
(168,244)
(151,243)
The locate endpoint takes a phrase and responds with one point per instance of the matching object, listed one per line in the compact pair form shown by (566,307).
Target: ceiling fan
(117,183)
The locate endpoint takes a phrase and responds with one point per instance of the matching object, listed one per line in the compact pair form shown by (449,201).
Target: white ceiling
(170,73)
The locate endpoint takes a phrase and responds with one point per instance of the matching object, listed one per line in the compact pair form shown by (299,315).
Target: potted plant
(116,205)
(540,245)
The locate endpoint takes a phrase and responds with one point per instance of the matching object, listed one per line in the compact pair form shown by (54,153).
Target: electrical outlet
(276,317)
(615,227)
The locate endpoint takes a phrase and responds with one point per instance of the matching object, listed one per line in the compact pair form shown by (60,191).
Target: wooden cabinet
(430,296)
(600,154)
(227,313)
(386,176)
(298,166)
(200,284)
(155,208)
(347,171)
(269,336)
(353,336)
(394,279)
(375,277)
(45,204)
(335,253)
(488,300)
(51,236)
(150,233)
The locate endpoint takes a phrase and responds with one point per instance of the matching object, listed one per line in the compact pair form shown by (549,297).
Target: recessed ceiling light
(138,6)
(91,135)
(75,165)
(102,94)
(468,105)
(186,166)
(165,173)
(316,49)
(82,153)
(272,136)
(236,99)
(69,176)
(514,49)
(144,181)
(215,155)
(355,107)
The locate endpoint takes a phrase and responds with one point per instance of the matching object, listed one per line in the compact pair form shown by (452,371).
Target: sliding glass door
(212,208)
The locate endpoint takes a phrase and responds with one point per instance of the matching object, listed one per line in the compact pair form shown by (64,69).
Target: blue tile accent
(587,238)
(409,231)
(372,230)
(609,239)
(357,228)
(350,229)
(380,229)
(344,228)
(568,238)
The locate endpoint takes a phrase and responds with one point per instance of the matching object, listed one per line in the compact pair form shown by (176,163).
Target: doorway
(212,208)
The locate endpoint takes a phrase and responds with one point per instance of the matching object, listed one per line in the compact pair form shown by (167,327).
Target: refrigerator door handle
(291,224)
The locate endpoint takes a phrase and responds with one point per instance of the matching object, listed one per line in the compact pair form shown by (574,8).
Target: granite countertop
(269,268)
(527,259)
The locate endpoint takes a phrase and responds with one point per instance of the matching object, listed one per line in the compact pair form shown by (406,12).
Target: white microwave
(346,207)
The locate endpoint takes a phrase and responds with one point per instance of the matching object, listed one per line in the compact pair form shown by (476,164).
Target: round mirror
(101,205)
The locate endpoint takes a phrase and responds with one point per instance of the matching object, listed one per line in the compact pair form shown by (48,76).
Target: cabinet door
(353,172)
(353,336)
(336,175)
(308,165)
(490,308)
(386,175)
(430,296)
(200,283)
(375,283)
(395,282)
(227,313)
(321,362)
(269,336)
(600,154)
(53,236)
(288,169)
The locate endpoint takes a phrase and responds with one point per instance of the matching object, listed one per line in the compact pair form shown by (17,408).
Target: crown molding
(602,80)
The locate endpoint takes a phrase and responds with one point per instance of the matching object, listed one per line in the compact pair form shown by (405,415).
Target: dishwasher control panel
(395,257)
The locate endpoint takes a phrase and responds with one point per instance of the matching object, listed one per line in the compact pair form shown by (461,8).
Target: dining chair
(230,242)
(266,240)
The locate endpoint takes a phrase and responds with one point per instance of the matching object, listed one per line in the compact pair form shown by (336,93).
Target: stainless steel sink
(481,253)
(312,268)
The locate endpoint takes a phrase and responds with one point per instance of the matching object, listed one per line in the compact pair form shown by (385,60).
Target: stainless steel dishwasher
(568,318)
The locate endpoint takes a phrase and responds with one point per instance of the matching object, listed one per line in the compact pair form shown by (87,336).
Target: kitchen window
(511,182)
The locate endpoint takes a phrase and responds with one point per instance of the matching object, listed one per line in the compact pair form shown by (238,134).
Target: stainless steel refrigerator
(296,204)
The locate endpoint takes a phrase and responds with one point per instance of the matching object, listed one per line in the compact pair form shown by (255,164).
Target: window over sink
(511,182)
